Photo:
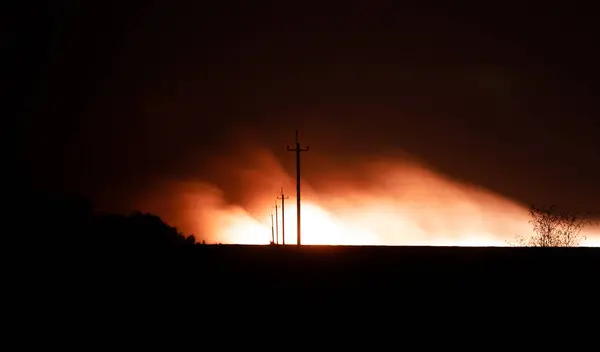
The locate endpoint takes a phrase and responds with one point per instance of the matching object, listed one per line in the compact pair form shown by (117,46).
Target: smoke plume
(387,200)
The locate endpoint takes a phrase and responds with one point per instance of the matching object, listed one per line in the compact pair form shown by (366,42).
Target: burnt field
(220,277)
(376,268)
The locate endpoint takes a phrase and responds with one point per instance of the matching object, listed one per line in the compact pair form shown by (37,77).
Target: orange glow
(321,227)
(402,202)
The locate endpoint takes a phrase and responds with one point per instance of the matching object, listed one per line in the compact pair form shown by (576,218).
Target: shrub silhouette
(555,229)
(68,224)
(138,230)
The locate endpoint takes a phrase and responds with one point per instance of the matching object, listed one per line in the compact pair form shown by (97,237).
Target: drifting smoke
(389,201)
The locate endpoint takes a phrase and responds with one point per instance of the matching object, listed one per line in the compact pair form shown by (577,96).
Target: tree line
(72,225)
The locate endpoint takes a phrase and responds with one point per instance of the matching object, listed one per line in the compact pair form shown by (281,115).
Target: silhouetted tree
(139,231)
(190,239)
(554,229)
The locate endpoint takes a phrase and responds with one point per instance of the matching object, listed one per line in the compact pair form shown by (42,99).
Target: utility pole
(283,198)
(272,232)
(297,150)
(276,225)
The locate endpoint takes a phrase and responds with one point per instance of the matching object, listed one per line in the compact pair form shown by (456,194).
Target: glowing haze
(383,201)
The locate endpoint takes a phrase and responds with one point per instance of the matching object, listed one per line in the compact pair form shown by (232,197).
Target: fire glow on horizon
(403,203)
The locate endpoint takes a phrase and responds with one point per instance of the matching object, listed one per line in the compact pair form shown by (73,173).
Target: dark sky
(111,94)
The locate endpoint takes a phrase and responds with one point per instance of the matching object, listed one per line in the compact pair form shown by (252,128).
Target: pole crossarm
(298,149)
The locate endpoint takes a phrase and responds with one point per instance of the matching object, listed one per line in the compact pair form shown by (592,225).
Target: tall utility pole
(272,232)
(297,150)
(276,225)
(283,198)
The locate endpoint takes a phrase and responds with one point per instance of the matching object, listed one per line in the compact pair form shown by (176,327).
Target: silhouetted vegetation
(555,229)
(137,257)
(70,224)
(137,231)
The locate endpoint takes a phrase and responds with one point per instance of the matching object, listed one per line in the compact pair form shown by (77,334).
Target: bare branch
(554,229)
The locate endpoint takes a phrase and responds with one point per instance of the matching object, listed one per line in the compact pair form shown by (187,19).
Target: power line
(276,225)
(272,232)
(283,198)
(297,150)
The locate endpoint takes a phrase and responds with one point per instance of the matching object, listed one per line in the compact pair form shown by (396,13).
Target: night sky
(111,95)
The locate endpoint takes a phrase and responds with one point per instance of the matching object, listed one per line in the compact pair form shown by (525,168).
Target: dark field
(202,280)
(373,268)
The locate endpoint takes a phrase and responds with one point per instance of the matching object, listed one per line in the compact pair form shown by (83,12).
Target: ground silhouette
(141,253)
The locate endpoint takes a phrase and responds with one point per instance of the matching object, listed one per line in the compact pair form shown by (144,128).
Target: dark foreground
(322,269)
(314,282)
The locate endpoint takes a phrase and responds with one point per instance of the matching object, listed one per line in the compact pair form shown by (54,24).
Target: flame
(323,227)
(375,226)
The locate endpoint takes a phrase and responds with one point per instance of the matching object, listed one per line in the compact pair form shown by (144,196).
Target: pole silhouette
(297,150)
(272,232)
(283,198)
(276,224)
